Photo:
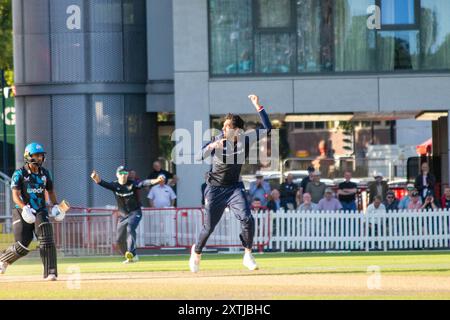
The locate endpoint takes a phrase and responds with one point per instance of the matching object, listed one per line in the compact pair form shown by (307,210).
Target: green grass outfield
(403,275)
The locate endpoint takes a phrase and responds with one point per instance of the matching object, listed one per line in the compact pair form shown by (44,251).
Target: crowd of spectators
(314,195)
(311,194)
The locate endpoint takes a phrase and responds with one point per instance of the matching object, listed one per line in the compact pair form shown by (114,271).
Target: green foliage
(347,126)
(165,147)
(6,43)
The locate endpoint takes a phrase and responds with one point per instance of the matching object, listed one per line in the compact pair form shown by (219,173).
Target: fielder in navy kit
(224,189)
(129,206)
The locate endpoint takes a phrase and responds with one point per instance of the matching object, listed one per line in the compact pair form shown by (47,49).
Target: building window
(314,36)
(231,36)
(320,125)
(309,125)
(274,14)
(399,13)
(274,36)
(301,126)
(398,42)
(398,50)
(434,34)
(355,45)
(275,53)
(279,37)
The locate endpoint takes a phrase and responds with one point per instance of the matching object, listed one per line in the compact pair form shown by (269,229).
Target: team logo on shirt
(35,190)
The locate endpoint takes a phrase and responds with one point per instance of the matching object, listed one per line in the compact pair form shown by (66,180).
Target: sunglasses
(124,173)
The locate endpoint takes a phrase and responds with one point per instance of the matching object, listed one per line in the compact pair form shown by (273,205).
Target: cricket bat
(64,206)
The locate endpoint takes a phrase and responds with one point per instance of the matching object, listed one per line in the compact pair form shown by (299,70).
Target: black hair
(236,121)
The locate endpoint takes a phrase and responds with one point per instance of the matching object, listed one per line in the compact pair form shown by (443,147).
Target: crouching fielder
(30,215)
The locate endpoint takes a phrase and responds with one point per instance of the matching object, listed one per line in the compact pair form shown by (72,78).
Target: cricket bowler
(224,187)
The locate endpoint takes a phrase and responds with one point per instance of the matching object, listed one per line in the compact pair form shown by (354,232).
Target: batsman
(30,215)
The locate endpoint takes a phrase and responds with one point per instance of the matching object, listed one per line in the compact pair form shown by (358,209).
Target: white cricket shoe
(51,277)
(249,262)
(3,266)
(194,261)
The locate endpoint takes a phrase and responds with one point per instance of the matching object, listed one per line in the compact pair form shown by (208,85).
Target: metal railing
(5,203)
(92,232)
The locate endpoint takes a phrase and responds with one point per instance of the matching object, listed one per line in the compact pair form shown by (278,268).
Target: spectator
(307,179)
(391,203)
(316,188)
(407,198)
(378,188)
(275,203)
(445,201)
(162,195)
(307,204)
(298,199)
(347,193)
(157,171)
(244,65)
(430,203)
(288,191)
(256,205)
(377,206)
(329,203)
(132,175)
(260,189)
(415,203)
(425,181)
(203,187)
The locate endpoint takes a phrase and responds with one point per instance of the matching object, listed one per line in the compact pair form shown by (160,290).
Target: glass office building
(93,74)
(282,37)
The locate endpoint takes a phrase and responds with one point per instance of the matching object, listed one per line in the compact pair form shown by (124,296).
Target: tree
(348,131)
(6,43)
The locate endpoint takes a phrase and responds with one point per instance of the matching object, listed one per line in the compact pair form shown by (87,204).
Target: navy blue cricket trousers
(126,231)
(216,200)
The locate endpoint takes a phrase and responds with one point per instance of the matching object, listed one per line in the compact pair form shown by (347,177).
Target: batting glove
(28,214)
(57,213)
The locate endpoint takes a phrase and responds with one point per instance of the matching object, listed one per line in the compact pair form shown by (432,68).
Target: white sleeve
(151,194)
(173,196)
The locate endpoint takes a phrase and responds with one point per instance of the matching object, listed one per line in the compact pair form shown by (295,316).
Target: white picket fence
(87,231)
(318,231)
